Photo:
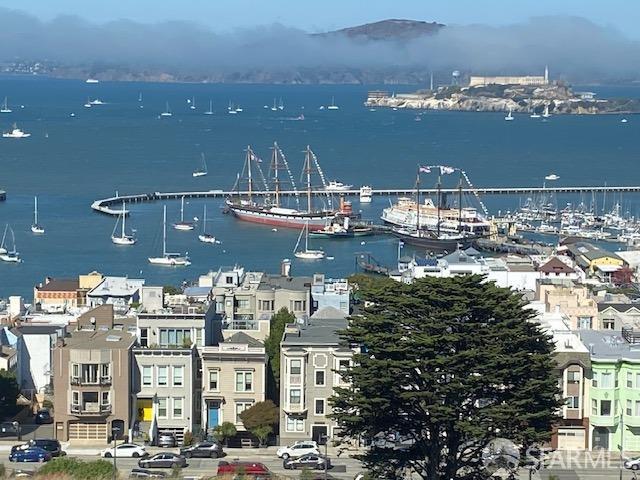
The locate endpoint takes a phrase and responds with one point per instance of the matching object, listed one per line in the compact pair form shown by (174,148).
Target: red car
(253,470)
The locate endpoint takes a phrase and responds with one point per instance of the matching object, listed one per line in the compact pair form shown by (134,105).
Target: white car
(126,450)
(632,463)
(298,449)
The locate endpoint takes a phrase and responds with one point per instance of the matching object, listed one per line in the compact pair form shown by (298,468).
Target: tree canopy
(260,419)
(272,344)
(447,366)
(9,392)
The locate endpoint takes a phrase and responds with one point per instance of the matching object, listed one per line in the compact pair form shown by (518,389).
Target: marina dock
(112,205)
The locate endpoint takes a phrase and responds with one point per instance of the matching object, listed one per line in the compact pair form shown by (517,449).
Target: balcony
(604,420)
(295,408)
(90,409)
(84,381)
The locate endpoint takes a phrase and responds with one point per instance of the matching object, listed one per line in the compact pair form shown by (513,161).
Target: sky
(323,15)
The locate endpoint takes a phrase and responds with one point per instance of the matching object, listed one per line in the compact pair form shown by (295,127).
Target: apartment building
(311,358)
(574,300)
(91,377)
(233,379)
(63,294)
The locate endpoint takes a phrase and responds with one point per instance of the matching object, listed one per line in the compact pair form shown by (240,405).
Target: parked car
(51,446)
(10,429)
(166,440)
(129,450)
(144,473)
(312,461)
(254,470)
(163,460)
(298,449)
(43,416)
(203,449)
(632,463)
(31,454)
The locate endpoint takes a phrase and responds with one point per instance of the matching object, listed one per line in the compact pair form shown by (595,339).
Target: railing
(630,336)
(104,380)
(90,409)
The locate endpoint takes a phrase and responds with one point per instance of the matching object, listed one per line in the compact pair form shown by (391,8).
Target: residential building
(571,299)
(594,260)
(58,295)
(171,328)
(614,395)
(151,299)
(34,344)
(329,292)
(121,292)
(8,359)
(311,357)
(92,378)
(233,379)
(573,370)
(559,268)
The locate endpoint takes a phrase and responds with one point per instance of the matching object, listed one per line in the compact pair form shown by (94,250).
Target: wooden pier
(112,205)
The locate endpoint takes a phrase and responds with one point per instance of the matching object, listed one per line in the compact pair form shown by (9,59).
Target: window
(594,382)
(295,396)
(174,337)
(242,304)
(213,380)
(147,379)
(162,376)
(105,398)
(343,365)
(637,410)
(244,381)
(144,337)
(200,337)
(178,376)
(162,407)
(320,378)
(584,323)
(266,305)
(605,380)
(296,367)
(629,411)
(605,408)
(299,305)
(629,380)
(573,402)
(319,406)
(241,407)
(594,407)
(608,324)
(104,371)
(177,407)
(294,424)
(75,370)
(75,398)
(229,279)
(573,377)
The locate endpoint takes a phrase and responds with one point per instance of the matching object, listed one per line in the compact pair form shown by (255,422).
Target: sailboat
(88,103)
(281,105)
(274,108)
(5,107)
(123,239)
(546,113)
(534,114)
(11,256)
(182,225)
(307,254)
(201,172)
(205,237)
(509,117)
(193,103)
(210,111)
(333,105)
(167,111)
(35,228)
(231,109)
(3,249)
(168,259)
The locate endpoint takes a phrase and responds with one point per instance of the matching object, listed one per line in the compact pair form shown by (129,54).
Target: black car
(10,429)
(163,460)
(203,449)
(50,445)
(310,460)
(144,473)
(43,416)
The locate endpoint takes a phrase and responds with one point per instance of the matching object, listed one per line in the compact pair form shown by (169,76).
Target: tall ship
(442,224)
(259,198)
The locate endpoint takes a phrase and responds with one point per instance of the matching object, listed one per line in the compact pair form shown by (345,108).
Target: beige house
(91,378)
(233,379)
(573,300)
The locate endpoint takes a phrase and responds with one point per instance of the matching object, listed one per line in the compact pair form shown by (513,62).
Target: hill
(392,29)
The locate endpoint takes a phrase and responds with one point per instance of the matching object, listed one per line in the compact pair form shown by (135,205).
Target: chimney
(285,267)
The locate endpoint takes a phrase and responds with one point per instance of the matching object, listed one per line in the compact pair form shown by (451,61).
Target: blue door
(214,415)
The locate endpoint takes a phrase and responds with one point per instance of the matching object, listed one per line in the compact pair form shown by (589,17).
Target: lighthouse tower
(546,75)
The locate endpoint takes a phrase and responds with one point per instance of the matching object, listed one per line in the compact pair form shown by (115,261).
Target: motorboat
(92,80)
(97,101)
(15,133)
(335,186)
(552,177)
(366,193)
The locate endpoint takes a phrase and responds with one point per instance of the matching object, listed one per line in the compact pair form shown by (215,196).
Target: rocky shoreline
(559,99)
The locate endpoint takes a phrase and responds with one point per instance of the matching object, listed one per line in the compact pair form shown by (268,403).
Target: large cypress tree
(447,366)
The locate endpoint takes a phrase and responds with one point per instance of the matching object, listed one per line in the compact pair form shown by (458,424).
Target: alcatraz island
(534,94)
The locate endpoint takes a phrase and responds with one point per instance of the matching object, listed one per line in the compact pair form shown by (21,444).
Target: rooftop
(320,329)
(116,287)
(609,345)
(59,285)
(108,339)
(271,282)
(243,338)
(555,265)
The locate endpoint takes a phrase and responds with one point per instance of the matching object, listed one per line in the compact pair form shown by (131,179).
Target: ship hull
(435,244)
(315,221)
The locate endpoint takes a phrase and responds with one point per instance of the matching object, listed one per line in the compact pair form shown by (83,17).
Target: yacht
(307,254)
(365,194)
(203,171)
(552,176)
(36,228)
(335,186)
(182,225)
(88,103)
(509,116)
(9,255)
(168,259)
(16,133)
(210,111)
(97,101)
(333,105)
(123,239)
(205,237)
(92,80)
(3,249)
(5,107)
(624,120)
(167,111)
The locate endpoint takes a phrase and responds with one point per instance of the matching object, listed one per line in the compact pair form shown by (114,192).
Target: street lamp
(114,433)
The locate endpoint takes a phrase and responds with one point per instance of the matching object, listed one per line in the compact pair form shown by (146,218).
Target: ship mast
(307,171)
(439,185)
(460,204)
(250,179)
(276,166)
(418,202)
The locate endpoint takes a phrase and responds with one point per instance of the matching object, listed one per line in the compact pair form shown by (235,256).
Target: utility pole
(114,433)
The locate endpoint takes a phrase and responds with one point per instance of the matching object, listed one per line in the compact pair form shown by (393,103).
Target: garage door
(570,439)
(87,431)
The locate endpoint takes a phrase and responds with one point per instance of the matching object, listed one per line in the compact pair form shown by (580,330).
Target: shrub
(78,469)
(188,438)
(224,432)
(48,404)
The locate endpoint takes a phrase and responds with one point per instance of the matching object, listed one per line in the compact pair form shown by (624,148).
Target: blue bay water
(71,161)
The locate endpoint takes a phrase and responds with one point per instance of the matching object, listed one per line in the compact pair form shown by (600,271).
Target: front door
(600,438)
(145,410)
(213,416)
(319,434)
